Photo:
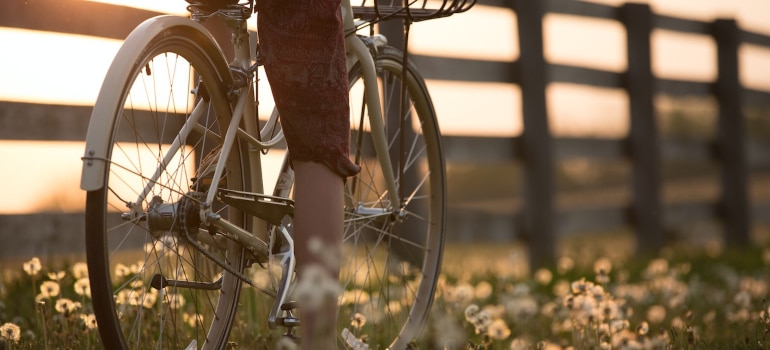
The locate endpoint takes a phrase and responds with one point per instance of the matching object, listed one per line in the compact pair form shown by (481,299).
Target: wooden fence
(539,223)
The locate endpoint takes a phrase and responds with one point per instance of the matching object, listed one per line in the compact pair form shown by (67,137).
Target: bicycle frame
(243,128)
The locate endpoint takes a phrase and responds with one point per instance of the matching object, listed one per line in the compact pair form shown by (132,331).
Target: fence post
(734,203)
(536,139)
(644,146)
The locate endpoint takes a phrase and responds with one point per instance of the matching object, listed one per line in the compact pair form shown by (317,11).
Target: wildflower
(83,287)
(11,332)
(56,276)
(483,290)
(522,308)
(498,330)
(150,298)
(66,306)
(561,288)
(32,267)
(643,328)
(175,300)
(358,320)
(80,270)
(657,267)
(543,276)
(463,294)
(89,320)
(520,344)
(602,266)
(580,286)
(656,314)
(49,289)
(192,320)
(564,265)
(122,270)
(471,311)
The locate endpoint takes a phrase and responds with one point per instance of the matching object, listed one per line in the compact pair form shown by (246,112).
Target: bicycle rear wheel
(167,109)
(392,251)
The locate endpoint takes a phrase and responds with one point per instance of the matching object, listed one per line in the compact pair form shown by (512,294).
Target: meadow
(595,296)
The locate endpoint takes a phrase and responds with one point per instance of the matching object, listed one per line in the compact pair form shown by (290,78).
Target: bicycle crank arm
(159,282)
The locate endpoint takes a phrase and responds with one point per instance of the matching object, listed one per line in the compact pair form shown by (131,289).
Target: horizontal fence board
(682,25)
(585,76)
(589,148)
(582,8)
(27,121)
(682,87)
(755,38)
(467,149)
(443,68)
(74,17)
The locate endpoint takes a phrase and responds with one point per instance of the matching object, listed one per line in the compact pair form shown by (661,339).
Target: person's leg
(318,215)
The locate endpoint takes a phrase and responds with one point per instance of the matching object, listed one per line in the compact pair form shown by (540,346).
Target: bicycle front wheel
(392,250)
(159,278)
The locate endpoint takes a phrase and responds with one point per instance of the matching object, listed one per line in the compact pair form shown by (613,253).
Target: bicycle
(176,216)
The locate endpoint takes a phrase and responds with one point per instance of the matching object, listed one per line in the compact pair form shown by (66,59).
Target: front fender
(109,102)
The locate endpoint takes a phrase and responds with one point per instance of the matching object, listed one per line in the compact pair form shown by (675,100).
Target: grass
(602,298)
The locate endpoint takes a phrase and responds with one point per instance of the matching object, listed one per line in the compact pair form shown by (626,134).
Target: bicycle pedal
(289,305)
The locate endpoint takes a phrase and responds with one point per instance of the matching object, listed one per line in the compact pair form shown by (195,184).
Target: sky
(51,169)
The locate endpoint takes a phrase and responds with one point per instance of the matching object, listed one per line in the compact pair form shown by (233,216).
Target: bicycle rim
(391,260)
(138,259)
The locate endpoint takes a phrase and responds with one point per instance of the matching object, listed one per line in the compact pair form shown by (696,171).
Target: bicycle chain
(210,256)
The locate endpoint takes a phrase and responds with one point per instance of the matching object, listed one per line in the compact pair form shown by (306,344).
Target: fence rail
(537,217)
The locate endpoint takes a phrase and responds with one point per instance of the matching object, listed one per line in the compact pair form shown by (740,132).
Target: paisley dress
(303,50)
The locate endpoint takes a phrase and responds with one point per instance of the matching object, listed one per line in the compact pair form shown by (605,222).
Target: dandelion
(643,328)
(483,290)
(49,289)
(656,314)
(89,320)
(56,276)
(498,330)
(565,264)
(175,300)
(543,276)
(602,266)
(65,306)
(11,332)
(32,267)
(463,294)
(122,270)
(83,287)
(520,344)
(358,320)
(80,270)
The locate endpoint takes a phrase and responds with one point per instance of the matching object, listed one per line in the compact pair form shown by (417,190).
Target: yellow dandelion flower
(56,276)
(80,270)
(50,289)
(32,267)
(498,330)
(83,287)
(11,332)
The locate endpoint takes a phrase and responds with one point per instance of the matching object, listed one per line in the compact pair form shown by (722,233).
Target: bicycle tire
(391,262)
(147,100)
